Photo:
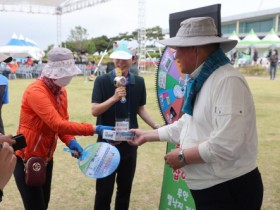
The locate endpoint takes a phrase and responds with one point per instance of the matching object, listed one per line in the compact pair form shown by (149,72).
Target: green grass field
(71,190)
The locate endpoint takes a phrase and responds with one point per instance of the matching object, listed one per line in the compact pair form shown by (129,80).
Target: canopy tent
(251,43)
(271,36)
(234,36)
(251,36)
(270,40)
(18,47)
(252,40)
(249,40)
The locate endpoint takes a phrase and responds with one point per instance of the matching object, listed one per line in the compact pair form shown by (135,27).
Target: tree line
(79,42)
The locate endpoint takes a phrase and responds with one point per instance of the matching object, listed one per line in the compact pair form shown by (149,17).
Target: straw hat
(197,32)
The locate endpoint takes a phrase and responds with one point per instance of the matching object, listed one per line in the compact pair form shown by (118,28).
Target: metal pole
(102,57)
(58,26)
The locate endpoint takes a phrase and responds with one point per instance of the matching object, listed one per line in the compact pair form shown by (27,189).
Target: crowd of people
(13,66)
(217,134)
(251,57)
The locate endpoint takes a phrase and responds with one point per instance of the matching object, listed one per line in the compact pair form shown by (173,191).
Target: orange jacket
(44,118)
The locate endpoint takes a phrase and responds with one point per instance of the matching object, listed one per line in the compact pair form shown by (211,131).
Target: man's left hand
(172,160)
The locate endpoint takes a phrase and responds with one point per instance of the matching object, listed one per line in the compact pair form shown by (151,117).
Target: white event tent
(234,36)
(249,40)
(271,40)
(20,47)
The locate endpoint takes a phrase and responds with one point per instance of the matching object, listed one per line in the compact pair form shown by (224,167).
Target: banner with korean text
(175,195)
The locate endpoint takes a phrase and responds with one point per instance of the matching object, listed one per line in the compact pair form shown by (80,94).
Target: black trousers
(123,176)
(242,193)
(34,198)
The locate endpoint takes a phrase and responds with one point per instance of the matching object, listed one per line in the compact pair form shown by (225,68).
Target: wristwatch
(181,157)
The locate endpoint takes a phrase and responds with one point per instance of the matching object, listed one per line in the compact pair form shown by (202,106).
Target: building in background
(261,22)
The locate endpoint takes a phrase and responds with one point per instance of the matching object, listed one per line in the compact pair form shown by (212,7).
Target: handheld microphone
(120,81)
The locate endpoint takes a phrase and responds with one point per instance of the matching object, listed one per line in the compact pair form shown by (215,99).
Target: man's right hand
(120,92)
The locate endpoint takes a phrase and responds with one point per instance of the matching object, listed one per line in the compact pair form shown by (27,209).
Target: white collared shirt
(223,126)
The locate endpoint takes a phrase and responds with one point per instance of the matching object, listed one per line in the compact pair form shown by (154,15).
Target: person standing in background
(29,61)
(273,64)
(112,111)
(13,66)
(134,66)
(4,90)
(7,156)
(255,56)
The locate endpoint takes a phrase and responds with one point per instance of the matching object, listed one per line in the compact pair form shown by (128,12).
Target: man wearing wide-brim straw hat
(217,132)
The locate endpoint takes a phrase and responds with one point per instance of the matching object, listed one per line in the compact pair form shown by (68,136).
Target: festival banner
(175,195)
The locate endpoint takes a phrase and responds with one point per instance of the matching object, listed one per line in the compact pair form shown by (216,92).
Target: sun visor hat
(124,49)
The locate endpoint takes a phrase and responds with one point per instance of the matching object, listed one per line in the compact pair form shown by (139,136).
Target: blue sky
(113,17)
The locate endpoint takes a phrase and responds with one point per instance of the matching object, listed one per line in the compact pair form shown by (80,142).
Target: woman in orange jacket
(43,119)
